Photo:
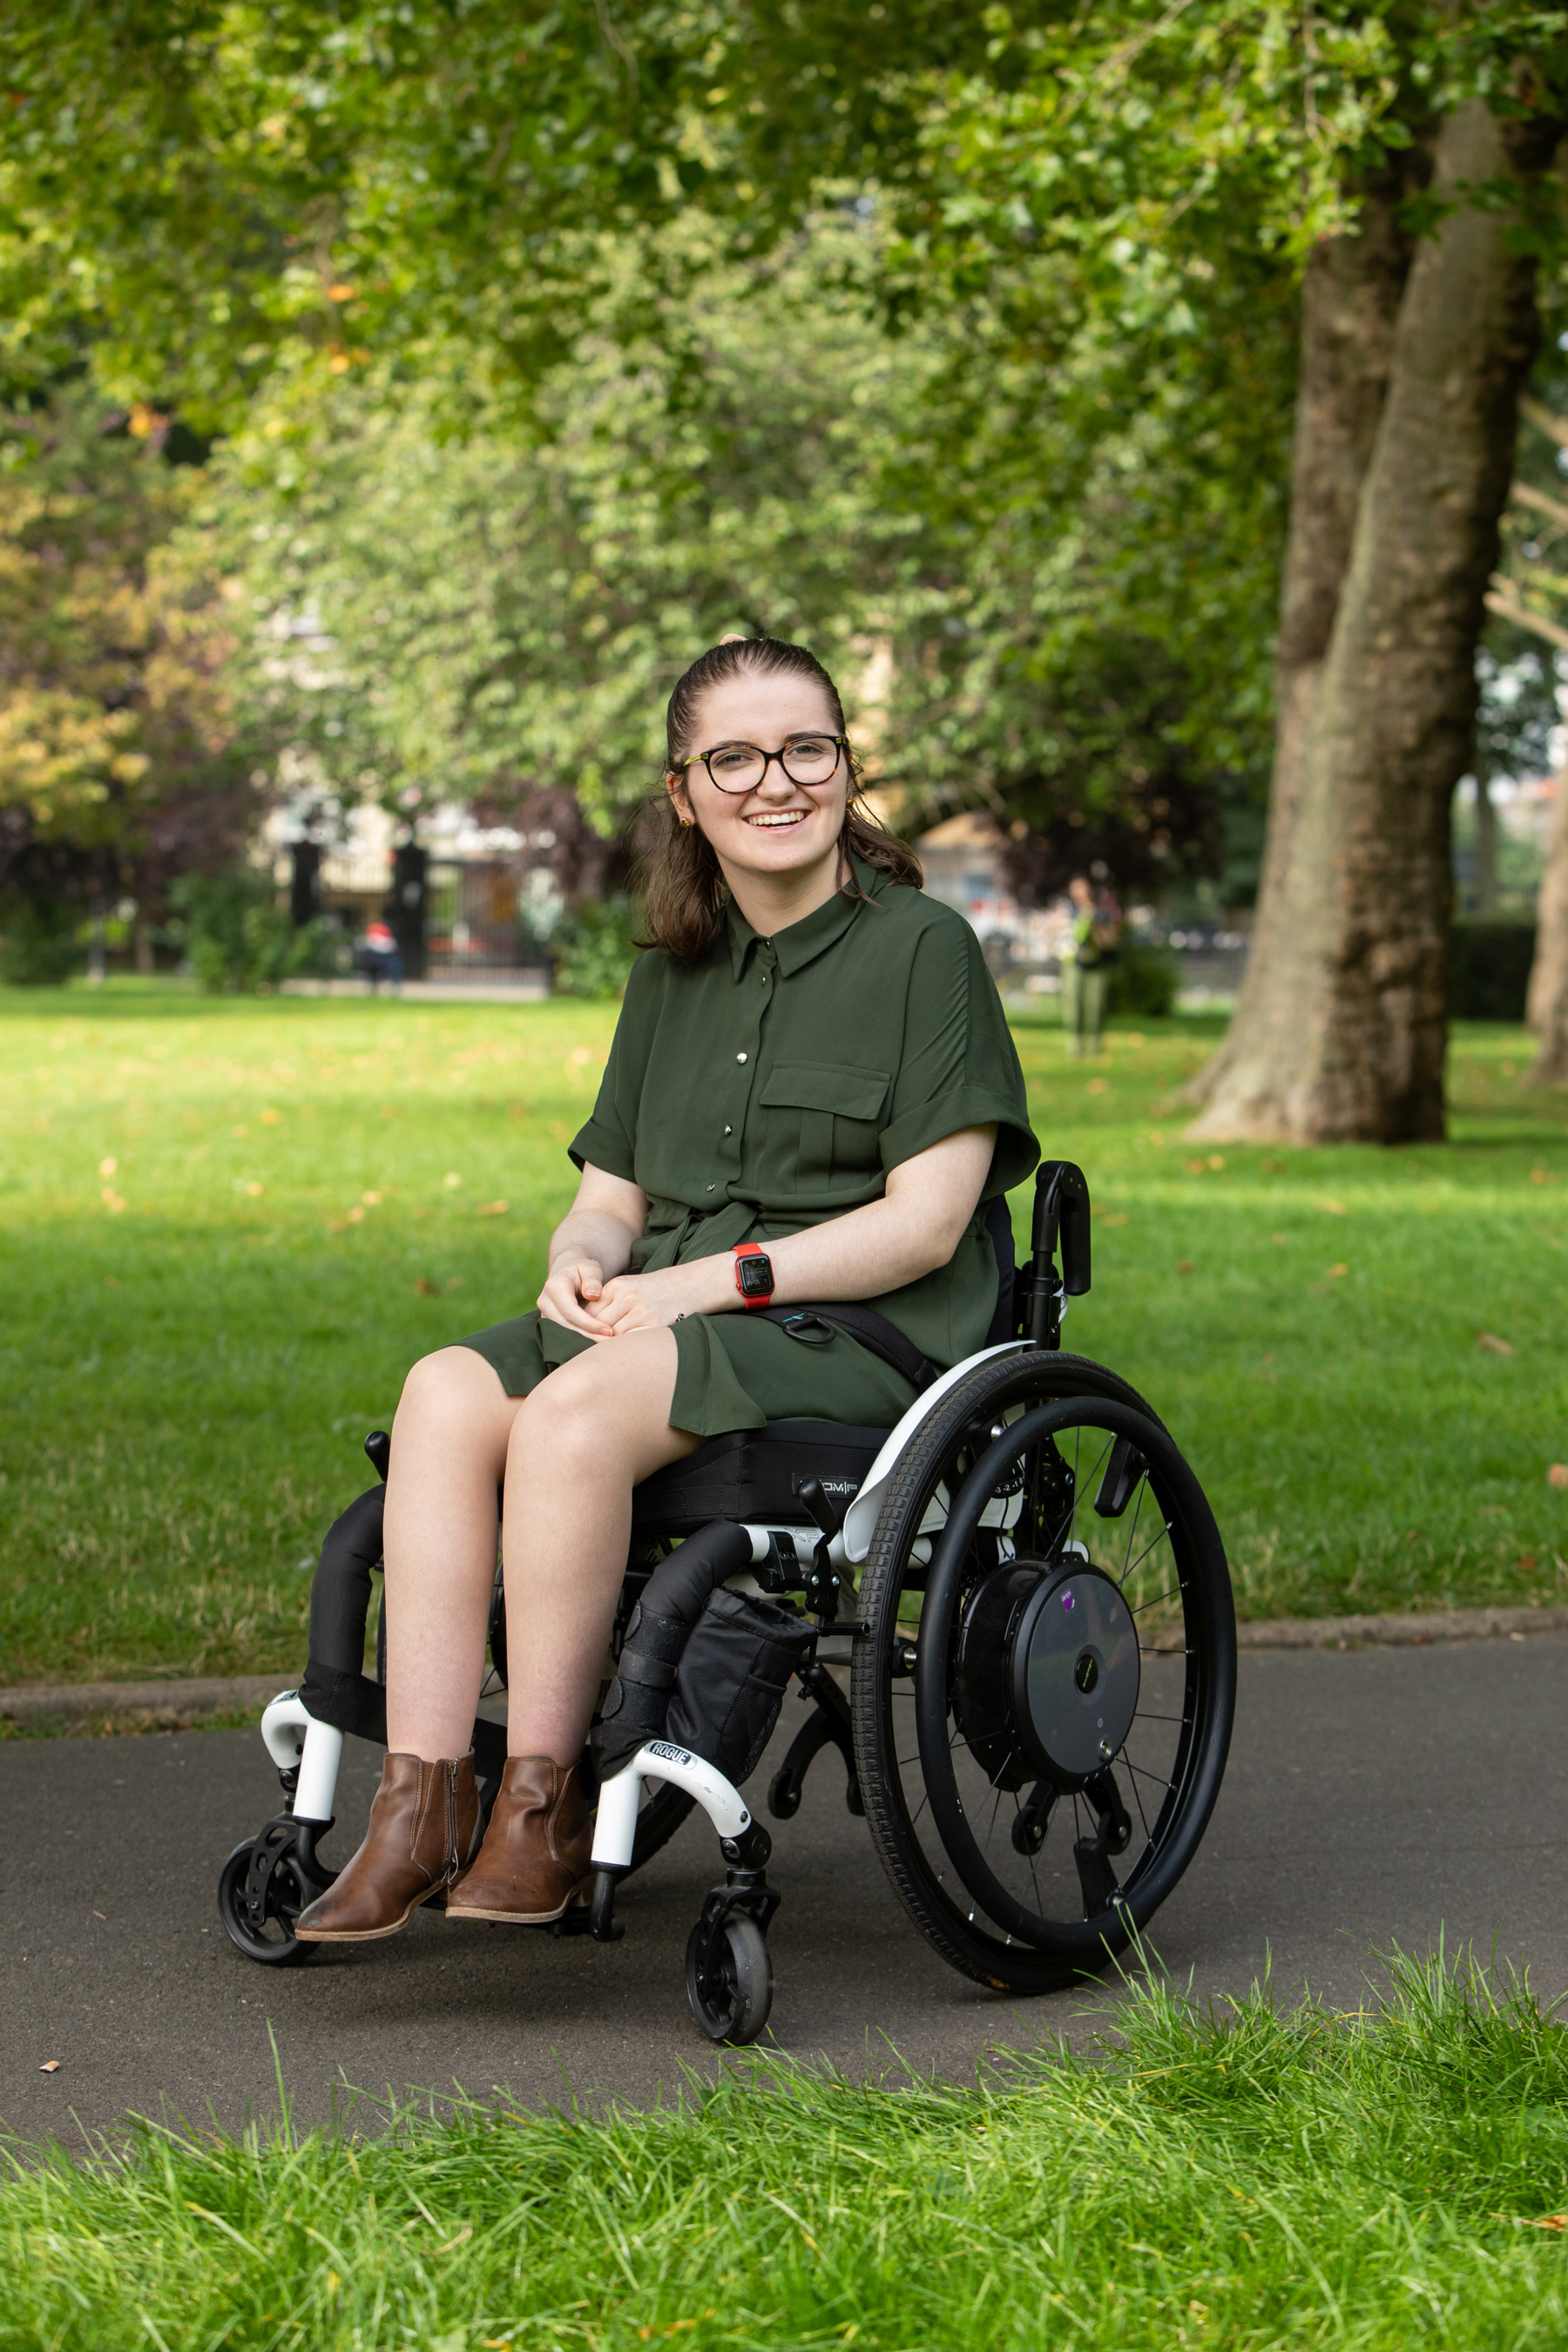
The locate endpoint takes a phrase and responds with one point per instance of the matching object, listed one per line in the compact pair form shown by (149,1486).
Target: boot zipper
(451,1771)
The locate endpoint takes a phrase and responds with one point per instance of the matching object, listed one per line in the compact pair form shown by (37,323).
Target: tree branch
(1553,509)
(1554,427)
(1503,600)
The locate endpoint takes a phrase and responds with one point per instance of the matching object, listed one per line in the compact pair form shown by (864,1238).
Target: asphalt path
(1374,1798)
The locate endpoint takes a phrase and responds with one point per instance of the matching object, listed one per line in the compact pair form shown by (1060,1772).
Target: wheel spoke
(1147,1549)
(1132,1530)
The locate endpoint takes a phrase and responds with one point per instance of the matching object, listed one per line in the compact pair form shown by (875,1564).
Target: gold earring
(687,822)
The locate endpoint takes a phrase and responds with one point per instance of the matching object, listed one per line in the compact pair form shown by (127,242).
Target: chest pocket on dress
(839,1111)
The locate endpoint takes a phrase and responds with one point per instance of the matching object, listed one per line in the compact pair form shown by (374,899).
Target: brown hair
(683,884)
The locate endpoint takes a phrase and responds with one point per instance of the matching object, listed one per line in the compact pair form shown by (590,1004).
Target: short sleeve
(609,1140)
(959,1068)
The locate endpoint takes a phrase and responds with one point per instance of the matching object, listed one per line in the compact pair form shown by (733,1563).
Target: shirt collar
(801,943)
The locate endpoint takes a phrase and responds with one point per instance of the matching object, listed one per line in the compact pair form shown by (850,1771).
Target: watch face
(756,1276)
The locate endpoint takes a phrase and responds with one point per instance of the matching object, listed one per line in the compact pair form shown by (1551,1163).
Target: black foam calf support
(674,1598)
(339,1597)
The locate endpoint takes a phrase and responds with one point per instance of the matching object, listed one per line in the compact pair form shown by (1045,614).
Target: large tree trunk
(1341,1029)
(1548,1006)
(1350,303)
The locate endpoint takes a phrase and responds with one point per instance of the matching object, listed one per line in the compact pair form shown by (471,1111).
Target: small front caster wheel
(732,1991)
(258,1918)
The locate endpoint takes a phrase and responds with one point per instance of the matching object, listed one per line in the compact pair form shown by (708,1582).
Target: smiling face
(780,836)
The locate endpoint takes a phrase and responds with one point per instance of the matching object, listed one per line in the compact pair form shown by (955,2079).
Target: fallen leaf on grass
(50,2066)
(255,1190)
(356,1215)
(1549,2222)
(1118,1218)
(1183,1265)
(492,1208)
(425,1287)
(1334,1272)
(1497,1346)
(1217,1160)
(452,1182)
(1098,1087)
(269,1117)
(1331,1208)
(371,1200)
(111,1201)
(455,1282)
(1558,1474)
(106,1166)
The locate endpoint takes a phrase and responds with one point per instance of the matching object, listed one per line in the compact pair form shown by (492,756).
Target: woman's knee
(607,1410)
(451,1383)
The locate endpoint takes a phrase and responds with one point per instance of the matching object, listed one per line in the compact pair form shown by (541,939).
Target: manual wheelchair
(1029,1593)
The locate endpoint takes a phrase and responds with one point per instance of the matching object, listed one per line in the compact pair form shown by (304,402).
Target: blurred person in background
(1085,968)
(377,957)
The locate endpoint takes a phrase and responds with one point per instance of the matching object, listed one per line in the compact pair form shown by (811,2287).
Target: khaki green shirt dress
(773,1085)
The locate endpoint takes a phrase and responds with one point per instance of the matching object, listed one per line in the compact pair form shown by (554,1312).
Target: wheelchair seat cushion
(755,1473)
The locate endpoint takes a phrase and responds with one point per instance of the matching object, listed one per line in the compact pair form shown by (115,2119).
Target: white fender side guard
(860,1519)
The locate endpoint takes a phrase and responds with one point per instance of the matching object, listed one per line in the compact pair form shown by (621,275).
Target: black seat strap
(862,1323)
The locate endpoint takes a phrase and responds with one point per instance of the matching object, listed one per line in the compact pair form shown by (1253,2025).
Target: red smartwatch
(754,1274)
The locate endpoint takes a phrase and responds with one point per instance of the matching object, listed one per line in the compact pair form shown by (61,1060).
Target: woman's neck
(771,902)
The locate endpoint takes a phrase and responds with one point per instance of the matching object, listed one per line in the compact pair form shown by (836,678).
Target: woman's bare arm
(592,1243)
(914,1229)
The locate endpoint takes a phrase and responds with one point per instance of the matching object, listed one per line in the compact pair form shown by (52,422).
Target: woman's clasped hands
(578,1294)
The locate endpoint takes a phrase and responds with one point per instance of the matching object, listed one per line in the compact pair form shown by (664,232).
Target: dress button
(710,1188)
(729,1130)
(740,1057)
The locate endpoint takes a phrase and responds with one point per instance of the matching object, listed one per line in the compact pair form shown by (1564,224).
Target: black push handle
(1061,1214)
(1061,1209)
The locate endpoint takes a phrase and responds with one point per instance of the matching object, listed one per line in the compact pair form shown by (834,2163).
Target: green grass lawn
(1258,2180)
(227,1226)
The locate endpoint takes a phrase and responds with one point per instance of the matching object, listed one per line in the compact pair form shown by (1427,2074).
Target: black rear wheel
(1043,1703)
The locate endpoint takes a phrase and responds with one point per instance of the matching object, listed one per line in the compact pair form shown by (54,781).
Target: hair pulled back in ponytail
(685,891)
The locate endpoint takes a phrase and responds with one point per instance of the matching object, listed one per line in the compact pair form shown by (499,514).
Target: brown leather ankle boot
(535,1860)
(423,1826)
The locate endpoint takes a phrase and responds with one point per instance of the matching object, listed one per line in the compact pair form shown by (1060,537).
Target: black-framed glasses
(741,767)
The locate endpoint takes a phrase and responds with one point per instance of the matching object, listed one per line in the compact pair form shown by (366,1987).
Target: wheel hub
(1047,1672)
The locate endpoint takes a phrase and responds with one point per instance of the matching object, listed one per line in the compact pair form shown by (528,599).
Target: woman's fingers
(565,1295)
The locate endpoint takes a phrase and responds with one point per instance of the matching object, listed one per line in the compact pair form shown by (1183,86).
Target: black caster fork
(265,1884)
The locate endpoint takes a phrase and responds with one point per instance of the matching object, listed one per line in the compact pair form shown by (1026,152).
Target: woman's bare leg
(449,1455)
(579,1444)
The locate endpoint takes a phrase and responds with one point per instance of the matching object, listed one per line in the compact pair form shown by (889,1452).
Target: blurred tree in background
(1168,322)
(122,763)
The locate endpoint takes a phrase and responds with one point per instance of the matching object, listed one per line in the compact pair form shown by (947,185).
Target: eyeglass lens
(805,759)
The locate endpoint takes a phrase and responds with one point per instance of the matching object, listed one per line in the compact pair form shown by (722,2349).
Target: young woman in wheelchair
(811,1095)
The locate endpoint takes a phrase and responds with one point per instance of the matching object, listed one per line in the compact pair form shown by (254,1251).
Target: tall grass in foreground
(1390,2179)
